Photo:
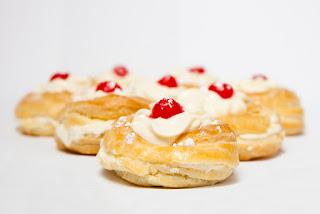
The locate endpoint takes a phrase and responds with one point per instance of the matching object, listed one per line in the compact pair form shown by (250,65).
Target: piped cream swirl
(153,91)
(166,131)
(92,93)
(205,102)
(122,80)
(187,78)
(72,85)
(251,86)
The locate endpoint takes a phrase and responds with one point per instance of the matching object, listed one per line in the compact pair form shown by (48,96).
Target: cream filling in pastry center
(166,131)
(69,135)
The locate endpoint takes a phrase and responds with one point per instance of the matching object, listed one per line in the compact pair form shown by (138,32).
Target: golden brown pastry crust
(108,107)
(250,149)
(105,108)
(211,160)
(286,104)
(37,113)
(88,145)
(255,121)
(37,126)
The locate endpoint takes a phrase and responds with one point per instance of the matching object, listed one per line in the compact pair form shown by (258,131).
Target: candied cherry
(198,70)
(62,76)
(224,90)
(120,71)
(108,86)
(166,108)
(169,81)
(259,77)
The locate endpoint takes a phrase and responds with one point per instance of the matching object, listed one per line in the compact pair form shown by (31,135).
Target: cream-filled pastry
(284,102)
(194,77)
(83,122)
(37,112)
(259,133)
(169,147)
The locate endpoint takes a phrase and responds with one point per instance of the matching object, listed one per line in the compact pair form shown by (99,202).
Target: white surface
(279,38)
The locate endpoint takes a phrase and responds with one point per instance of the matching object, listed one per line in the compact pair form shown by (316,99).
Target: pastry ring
(259,133)
(37,113)
(82,124)
(287,105)
(280,100)
(197,157)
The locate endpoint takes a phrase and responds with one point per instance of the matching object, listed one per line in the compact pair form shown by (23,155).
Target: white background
(280,38)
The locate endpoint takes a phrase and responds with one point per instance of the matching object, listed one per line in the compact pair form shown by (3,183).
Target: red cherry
(259,76)
(166,108)
(120,71)
(108,86)
(198,70)
(224,90)
(169,81)
(63,76)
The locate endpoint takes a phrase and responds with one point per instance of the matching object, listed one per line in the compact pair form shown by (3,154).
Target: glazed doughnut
(37,112)
(176,150)
(283,101)
(82,123)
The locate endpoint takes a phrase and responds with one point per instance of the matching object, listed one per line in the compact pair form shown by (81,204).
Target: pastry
(281,100)
(37,111)
(169,147)
(258,131)
(83,122)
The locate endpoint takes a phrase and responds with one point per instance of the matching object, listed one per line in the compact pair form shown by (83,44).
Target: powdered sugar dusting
(130,138)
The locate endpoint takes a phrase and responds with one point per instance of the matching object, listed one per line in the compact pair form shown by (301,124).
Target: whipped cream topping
(251,86)
(72,85)
(205,102)
(152,90)
(69,135)
(274,128)
(187,78)
(92,93)
(122,80)
(166,131)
